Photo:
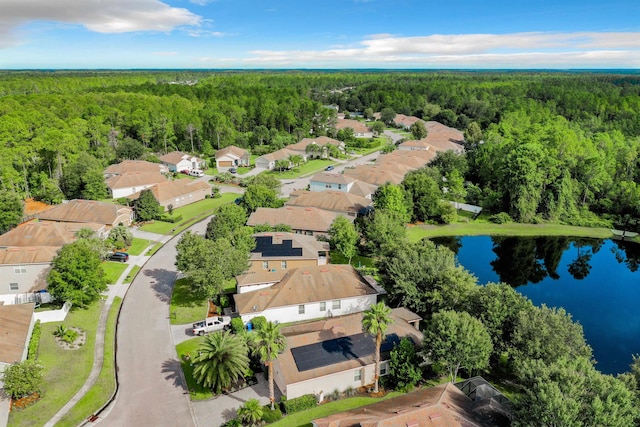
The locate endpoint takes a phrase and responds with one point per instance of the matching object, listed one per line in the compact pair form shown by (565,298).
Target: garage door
(225,163)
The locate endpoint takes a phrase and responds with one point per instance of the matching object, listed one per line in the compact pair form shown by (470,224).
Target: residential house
(335,201)
(374,174)
(339,182)
(405,122)
(439,138)
(322,142)
(254,281)
(231,156)
(132,182)
(334,353)
(16,326)
(310,293)
(268,161)
(178,161)
(309,221)
(129,166)
(442,405)
(24,270)
(46,234)
(360,130)
(405,161)
(282,251)
(89,211)
(179,192)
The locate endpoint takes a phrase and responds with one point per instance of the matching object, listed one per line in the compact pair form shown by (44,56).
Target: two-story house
(284,251)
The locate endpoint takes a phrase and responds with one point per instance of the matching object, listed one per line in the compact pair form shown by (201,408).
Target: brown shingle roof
(332,178)
(362,189)
(233,150)
(261,277)
(168,190)
(134,179)
(327,329)
(43,233)
(442,405)
(321,141)
(336,201)
(15,324)
(305,285)
(281,154)
(310,245)
(376,175)
(406,160)
(176,157)
(86,211)
(127,166)
(358,127)
(28,255)
(298,218)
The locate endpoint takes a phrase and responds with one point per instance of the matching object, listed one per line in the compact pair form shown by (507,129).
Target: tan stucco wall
(256,266)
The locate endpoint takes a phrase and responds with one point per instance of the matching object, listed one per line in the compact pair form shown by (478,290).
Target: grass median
(105,385)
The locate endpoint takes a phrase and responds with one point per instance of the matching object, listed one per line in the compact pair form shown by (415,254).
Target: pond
(596,281)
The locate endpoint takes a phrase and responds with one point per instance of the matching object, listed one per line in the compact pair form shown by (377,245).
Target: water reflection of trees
(452,242)
(522,260)
(580,268)
(627,253)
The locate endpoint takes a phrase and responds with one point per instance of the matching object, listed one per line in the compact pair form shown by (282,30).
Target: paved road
(152,389)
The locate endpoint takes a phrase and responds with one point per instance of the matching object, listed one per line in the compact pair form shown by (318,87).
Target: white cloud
(109,16)
(516,50)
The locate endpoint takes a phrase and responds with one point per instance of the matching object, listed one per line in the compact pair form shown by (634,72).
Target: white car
(211,324)
(196,172)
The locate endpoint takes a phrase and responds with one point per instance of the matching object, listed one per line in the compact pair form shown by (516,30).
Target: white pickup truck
(211,324)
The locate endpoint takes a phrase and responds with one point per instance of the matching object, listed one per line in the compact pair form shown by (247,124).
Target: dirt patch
(80,340)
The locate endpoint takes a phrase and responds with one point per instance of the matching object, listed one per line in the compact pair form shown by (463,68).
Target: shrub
(500,218)
(350,392)
(334,395)
(298,404)
(170,218)
(34,342)
(23,378)
(258,322)
(236,325)
(269,416)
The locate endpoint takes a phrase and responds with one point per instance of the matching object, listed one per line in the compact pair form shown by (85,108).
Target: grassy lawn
(113,270)
(310,167)
(229,286)
(186,307)
(190,347)
(138,246)
(416,233)
(65,370)
(190,214)
(381,142)
(105,385)
(211,171)
(357,261)
(131,274)
(304,418)
(154,249)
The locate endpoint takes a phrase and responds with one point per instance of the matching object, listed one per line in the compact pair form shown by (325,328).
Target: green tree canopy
(250,413)
(404,364)
(424,193)
(11,210)
(392,197)
(457,340)
(22,379)
(383,231)
(260,196)
(344,237)
(226,222)
(222,359)
(146,207)
(76,274)
(418,130)
(387,115)
(120,236)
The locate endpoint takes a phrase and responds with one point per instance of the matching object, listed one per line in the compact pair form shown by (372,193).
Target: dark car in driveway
(329,168)
(119,256)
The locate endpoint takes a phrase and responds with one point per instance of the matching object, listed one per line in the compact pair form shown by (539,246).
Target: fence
(53,315)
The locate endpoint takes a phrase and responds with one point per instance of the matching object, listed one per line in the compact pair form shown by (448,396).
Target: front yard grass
(105,385)
(113,270)
(185,307)
(190,214)
(416,233)
(132,274)
(310,167)
(190,347)
(304,418)
(65,370)
(138,245)
(154,249)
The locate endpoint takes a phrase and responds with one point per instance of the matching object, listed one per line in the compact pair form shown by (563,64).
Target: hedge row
(34,342)
(298,404)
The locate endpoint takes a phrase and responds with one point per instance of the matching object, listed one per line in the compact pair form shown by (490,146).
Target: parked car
(233,170)
(196,172)
(211,324)
(185,171)
(329,168)
(119,256)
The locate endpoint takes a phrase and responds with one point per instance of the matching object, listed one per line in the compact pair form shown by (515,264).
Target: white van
(196,172)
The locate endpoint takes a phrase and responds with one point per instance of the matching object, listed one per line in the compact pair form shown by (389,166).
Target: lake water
(597,281)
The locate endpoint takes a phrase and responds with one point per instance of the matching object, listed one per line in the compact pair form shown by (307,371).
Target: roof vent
(435,416)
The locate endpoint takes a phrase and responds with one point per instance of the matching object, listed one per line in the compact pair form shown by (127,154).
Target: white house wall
(250,288)
(33,274)
(312,310)
(127,191)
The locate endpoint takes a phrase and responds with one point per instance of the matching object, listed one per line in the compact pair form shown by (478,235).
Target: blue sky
(319,34)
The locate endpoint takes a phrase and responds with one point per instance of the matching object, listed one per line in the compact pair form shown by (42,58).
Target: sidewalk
(118,289)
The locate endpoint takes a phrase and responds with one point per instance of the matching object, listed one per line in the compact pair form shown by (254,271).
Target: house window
(301,309)
(323,306)
(283,265)
(265,265)
(13,286)
(384,368)
(357,376)
(336,305)
(19,269)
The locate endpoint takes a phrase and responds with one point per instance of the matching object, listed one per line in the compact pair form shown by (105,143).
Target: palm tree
(250,414)
(222,359)
(268,342)
(375,322)
(313,149)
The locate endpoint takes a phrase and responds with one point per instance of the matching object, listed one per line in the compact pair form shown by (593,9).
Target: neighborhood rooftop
(231,150)
(336,201)
(282,245)
(169,190)
(135,179)
(298,218)
(15,325)
(27,255)
(88,211)
(129,166)
(43,233)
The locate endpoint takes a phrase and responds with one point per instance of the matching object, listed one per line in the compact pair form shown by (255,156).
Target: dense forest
(554,146)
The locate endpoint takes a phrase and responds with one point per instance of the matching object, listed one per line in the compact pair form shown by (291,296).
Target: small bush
(350,392)
(269,416)
(298,404)
(258,322)
(170,218)
(34,342)
(334,395)
(500,218)
(236,325)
